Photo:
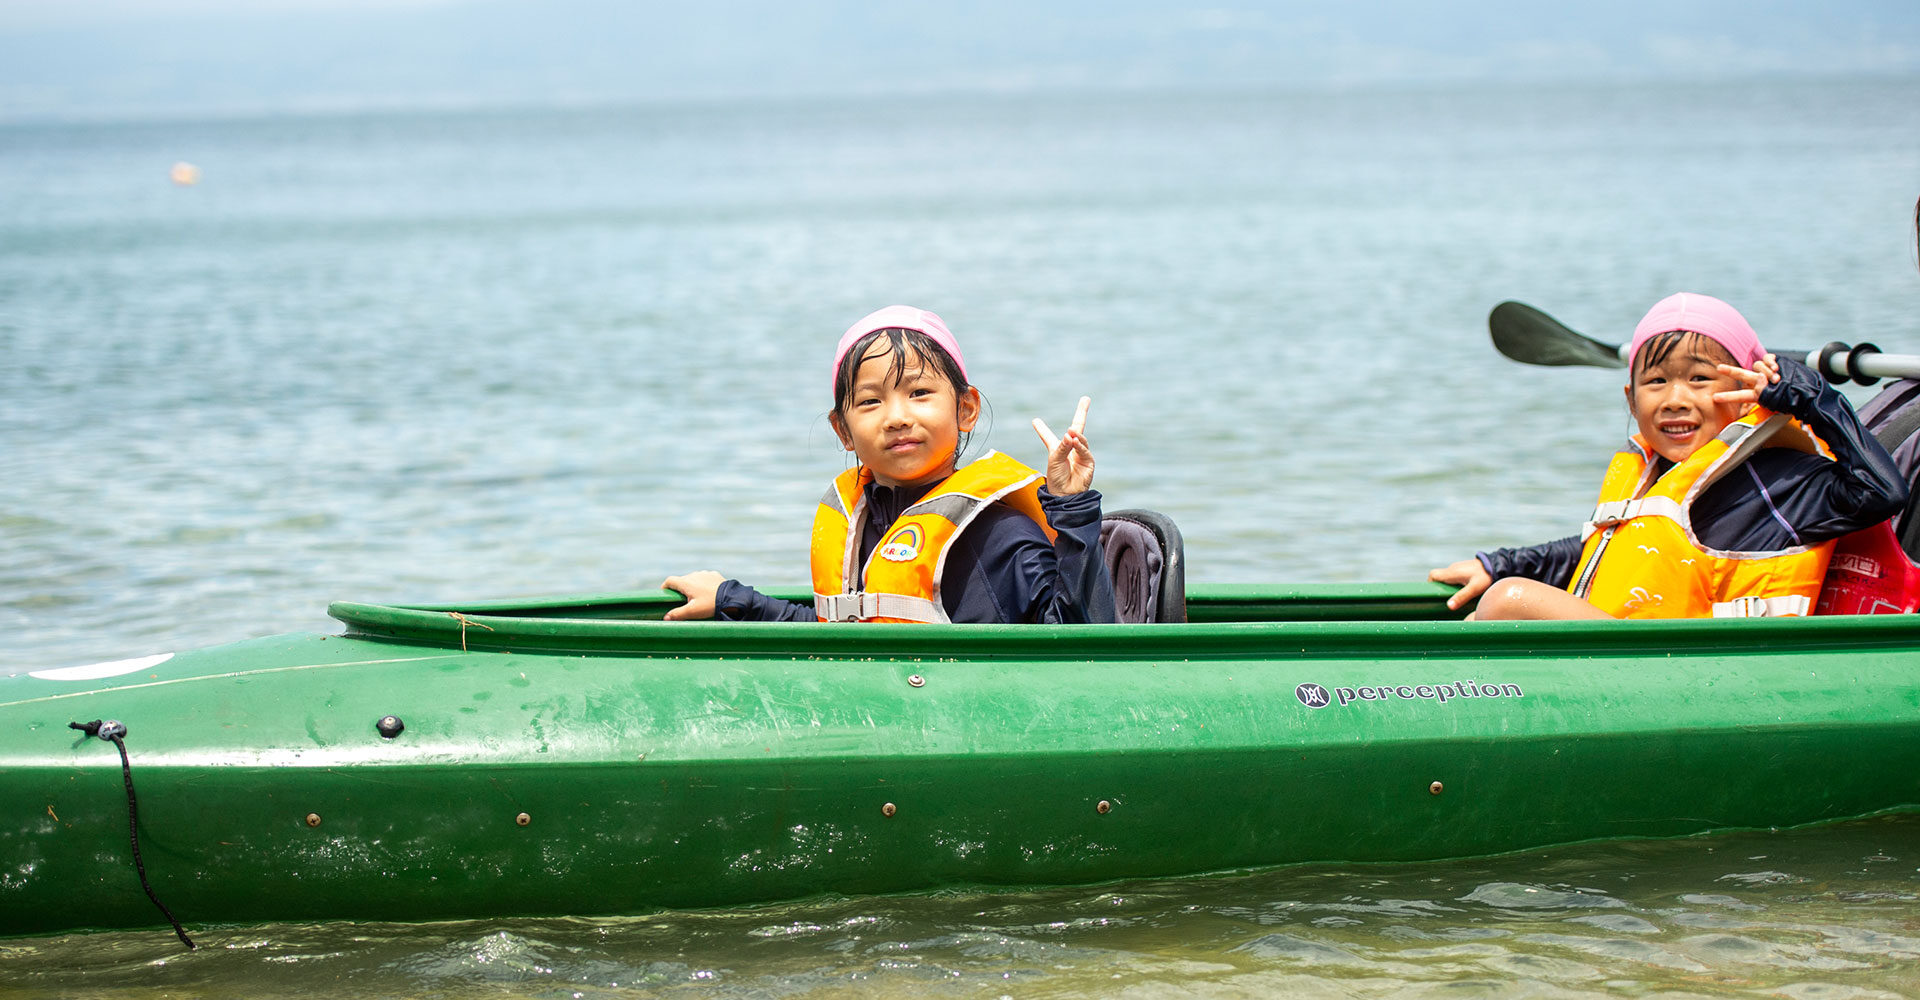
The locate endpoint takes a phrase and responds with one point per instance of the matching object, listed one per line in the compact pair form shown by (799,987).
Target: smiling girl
(910,535)
(1727,503)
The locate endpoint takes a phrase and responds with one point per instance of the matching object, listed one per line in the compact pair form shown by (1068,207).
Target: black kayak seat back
(1147,562)
(1892,416)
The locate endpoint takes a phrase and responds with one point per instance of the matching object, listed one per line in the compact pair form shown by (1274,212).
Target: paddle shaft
(1532,337)
(1838,363)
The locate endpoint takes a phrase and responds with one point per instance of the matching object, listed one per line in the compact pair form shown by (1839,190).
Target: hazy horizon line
(345,106)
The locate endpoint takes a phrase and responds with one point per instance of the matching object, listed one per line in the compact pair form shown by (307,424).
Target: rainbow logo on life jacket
(904,546)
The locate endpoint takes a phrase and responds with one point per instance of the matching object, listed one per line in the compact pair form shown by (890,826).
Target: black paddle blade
(1532,337)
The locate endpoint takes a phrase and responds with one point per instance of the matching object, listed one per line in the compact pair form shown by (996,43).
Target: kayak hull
(576,758)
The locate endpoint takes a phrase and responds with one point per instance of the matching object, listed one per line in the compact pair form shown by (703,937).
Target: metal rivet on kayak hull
(916,680)
(1436,788)
(390,726)
(523,819)
(313,819)
(1104,807)
(889,809)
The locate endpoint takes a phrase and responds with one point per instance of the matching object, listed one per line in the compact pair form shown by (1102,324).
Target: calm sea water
(445,356)
(1832,914)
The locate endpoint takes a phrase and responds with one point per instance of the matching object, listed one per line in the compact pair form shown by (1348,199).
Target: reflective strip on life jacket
(1763,607)
(1615,512)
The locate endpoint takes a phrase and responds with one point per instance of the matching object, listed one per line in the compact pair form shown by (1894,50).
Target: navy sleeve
(1005,570)
(1858,489)
(1083,564)
(737,602)
(1549,562)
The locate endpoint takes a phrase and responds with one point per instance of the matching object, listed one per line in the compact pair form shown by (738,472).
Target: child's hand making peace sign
(1752,381)
(1069,460)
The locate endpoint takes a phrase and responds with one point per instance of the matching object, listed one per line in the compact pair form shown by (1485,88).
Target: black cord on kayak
(115,733)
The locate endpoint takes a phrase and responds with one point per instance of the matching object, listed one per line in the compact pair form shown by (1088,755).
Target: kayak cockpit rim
(1302,621)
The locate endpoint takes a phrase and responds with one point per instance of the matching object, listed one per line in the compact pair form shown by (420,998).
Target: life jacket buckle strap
(1614,512)
(1763,607)
(846,607)
(868,605)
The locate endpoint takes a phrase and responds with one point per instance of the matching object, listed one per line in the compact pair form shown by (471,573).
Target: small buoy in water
(185,174)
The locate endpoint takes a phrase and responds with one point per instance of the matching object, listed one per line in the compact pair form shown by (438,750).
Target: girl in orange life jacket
(1721,505)
(910,535)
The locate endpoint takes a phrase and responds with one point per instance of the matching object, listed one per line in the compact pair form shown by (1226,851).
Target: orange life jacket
(901,579)
(1641,558)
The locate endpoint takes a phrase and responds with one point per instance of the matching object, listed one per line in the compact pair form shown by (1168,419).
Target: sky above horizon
(131,57)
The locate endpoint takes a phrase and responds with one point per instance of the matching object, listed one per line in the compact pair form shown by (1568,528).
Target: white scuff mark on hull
(255,672)
(101,671)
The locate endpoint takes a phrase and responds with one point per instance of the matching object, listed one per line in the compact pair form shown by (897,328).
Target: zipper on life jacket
(1581,585)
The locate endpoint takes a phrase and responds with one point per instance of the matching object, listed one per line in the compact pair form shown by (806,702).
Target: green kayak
(579,756)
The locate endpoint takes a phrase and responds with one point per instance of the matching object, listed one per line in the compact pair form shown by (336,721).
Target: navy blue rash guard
(1001,569)
(1778,499)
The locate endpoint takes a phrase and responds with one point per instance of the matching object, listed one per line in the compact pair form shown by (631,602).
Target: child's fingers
(1469,589)
(1761,373)
(1046,435)
(1754,378)
(1750,384)
(679,586)
(1467,575)
(1079,456)
(1080,415)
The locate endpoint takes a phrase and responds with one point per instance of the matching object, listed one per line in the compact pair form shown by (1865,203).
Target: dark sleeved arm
(1858,489)
(1549,562)
(1083,565)
(737,602)
(1005,570)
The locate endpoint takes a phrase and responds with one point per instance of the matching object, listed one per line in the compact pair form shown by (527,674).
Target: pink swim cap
(1706,316)
(904,318)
